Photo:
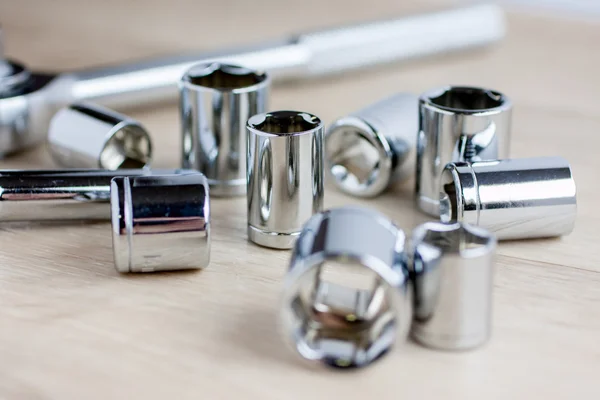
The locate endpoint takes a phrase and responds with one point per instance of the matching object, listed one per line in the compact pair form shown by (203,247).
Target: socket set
(356,284)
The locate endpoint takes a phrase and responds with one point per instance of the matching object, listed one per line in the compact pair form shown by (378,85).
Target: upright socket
(369,150)
(452,270)
(215,104)
(160,223)
(347,298)
(285,175)
(90,136)
(515,198)
(458,124)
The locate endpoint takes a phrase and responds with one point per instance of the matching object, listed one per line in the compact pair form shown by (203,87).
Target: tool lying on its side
(28,100)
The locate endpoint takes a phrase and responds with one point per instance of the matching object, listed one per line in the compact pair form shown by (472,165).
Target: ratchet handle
(306,55)
(402,39)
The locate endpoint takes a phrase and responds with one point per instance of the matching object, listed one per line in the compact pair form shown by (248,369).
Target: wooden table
(71,327)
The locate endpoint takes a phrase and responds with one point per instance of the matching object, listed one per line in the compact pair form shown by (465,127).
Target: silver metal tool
(370,149)
(458,124)
(160,223)
(516,198)
(452,268)
(216,102)
(28,100)
(285,175)
(347,297)
(89,136)
(42,195)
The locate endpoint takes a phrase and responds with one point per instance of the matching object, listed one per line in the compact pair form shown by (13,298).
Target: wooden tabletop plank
(72,327)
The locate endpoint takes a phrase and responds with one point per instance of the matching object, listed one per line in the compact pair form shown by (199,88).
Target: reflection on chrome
(285,175)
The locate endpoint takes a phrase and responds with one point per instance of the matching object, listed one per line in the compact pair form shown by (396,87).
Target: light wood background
(71,327)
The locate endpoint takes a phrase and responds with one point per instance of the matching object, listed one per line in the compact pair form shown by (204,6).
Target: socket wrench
(28,100)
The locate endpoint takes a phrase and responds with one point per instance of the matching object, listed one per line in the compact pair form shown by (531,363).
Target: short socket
(90,136)
(285,175)
(160,223)
(369,150)
(458,124)
(516,198)
(452,271)
(347,297)
(215,104)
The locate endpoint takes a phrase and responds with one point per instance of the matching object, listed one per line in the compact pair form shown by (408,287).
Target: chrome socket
(347,298)
(371,149)
(90,136)
(216,101)
(458,124)
(285,175)
(452,271)
(160,223)
(516,198)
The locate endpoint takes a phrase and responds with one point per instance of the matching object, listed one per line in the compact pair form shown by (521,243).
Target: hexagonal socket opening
(345,314)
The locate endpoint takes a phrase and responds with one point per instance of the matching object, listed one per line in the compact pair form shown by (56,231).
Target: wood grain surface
(71,327)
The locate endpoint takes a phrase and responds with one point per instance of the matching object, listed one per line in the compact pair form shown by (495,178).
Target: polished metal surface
(347,297)
(516,198)
(285,175)
(160,223)
(89,136)
(452,270)
(26,113)
(371,149)
(216,102)
(42,195)
(458,124)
